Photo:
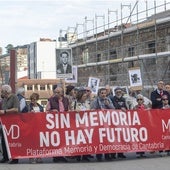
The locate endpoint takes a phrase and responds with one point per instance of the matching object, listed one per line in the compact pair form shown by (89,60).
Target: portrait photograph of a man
(64,63)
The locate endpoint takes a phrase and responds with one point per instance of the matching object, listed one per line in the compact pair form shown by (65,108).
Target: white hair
(20,90)
(139,96)
(7,88)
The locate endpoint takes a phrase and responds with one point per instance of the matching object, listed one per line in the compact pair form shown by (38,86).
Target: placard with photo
(93,83)
(73,79)
(135,77)
(64,63)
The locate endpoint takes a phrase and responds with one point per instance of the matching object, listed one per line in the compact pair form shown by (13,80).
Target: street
(151,162)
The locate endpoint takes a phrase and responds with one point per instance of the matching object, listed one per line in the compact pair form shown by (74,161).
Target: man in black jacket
(156,95)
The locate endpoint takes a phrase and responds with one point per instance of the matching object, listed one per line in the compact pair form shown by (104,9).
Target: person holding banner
(103,102)
(156,95)
(34,106)
(58,103)
(140,106)
(22,100)
(165,102)
(119,102)
(81,104)
(10,104)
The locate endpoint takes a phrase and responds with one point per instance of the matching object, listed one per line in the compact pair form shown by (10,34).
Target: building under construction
(139,40)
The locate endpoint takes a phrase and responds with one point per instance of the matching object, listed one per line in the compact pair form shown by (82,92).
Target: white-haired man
(22,101)
(10,104)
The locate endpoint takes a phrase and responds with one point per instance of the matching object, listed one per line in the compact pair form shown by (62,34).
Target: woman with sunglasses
(140,106)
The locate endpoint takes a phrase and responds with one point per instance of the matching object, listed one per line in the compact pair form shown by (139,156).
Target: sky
(26,21)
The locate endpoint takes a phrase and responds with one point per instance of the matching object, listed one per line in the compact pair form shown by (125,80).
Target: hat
(117,88)
(165,97)
(69,88)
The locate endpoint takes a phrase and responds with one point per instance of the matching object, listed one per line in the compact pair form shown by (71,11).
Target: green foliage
(9,47)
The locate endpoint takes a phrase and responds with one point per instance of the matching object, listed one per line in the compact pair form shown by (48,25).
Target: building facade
(43,87)
(42,59)
(109,55)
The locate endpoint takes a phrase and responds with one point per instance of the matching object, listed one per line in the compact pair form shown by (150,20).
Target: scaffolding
(119,44)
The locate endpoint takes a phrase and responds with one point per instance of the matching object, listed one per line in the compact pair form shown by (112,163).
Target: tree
(9,47)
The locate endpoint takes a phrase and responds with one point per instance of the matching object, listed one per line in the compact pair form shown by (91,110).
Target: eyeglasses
(118,91)
(164,99)
(139,99)
(102,93)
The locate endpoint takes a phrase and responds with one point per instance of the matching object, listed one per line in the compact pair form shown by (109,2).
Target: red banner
(90,132)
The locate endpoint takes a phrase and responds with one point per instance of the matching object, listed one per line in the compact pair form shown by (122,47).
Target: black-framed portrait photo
(64,63)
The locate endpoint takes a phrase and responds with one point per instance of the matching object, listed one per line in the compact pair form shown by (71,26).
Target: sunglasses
(164,99)
(88,91)
(139,99)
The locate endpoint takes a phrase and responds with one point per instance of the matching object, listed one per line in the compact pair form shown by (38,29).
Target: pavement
(151,162)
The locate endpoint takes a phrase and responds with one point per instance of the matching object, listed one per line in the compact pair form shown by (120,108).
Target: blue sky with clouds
(26,21)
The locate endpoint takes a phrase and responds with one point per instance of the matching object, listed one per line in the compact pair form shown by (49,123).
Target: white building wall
(46,59)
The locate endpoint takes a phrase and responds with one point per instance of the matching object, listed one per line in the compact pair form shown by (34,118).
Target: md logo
(13,131)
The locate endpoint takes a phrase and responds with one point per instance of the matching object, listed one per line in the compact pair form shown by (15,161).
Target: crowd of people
(82,99)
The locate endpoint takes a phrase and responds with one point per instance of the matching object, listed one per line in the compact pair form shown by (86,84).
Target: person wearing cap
(120,104)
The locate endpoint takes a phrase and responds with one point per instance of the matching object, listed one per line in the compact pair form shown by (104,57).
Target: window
(131,51)
(85,55)
(48,87)
(42,87)
(113,54)
(29,87)
(98,57)
(151,47)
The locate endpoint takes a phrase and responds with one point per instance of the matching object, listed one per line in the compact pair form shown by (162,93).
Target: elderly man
(103,102)
(58,103)
(22,100)
(156,95)
(10,104)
